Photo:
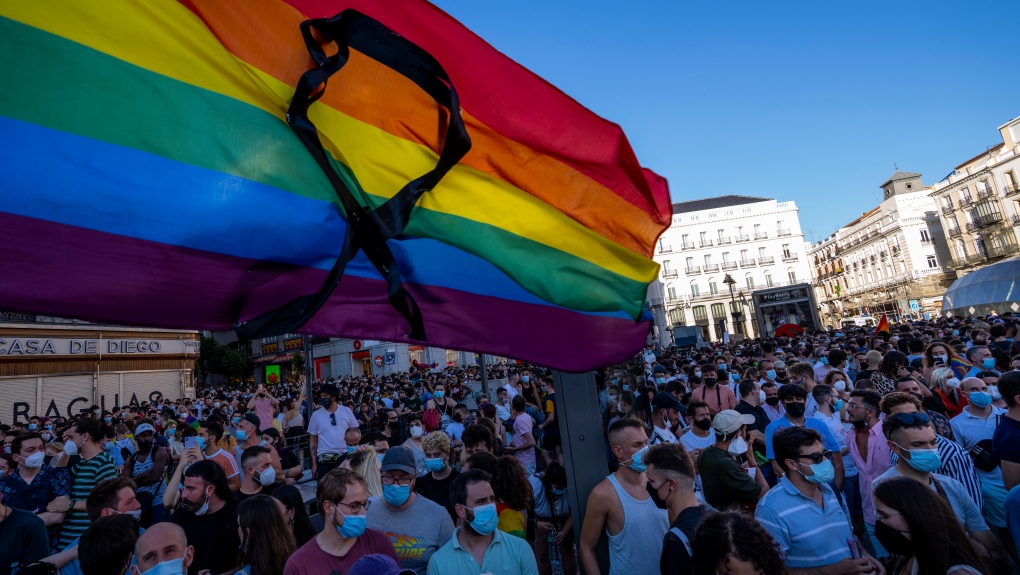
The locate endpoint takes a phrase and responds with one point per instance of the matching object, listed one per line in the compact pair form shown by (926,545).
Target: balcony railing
(948,210)
(709,268)
(706,243)
(687,246)
(766,260)
(665,249)
(741,238)
(693,270)
(1010,190)
(985,193)
(667,274)
(1006,249)
(953,230)
(723,241)
(790,258)
(965,202)
(1015,219)
(726,266)
(971,226)
(761,236)
(783,233)
(747,263)
(989,219)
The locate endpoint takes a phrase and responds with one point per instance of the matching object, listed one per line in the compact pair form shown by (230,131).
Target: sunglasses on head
(910,418)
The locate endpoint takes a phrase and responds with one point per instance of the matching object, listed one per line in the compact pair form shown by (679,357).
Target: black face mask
(703,423)
(859,424)
(709,382)
(773,401)
(795,409)
(326,402)
(893,540)
(658,501)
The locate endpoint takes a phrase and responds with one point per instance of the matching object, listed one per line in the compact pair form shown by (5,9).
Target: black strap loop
(367,229)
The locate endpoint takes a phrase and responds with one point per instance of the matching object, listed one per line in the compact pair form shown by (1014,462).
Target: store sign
(270,348)
(784,295)
(416,348)
(273,374)
(27,346)
(379,360)
(361,355)
(292,344)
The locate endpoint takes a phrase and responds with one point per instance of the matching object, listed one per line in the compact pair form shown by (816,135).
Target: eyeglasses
(816,457)
(855,405)
(390,480)
(356,508)
(885,516)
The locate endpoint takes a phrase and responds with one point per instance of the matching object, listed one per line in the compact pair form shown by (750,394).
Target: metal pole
(485,376)
(584,446)
(308,376)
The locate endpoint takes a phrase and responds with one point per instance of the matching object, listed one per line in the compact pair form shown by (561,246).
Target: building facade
(978,204)
(886,261)
(715,254)
(55,367)
(340,357)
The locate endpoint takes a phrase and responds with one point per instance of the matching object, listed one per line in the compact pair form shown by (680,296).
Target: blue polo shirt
(506,555)
(828,439)
(808,535)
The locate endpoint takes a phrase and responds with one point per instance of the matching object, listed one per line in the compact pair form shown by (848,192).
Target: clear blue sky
(804,101)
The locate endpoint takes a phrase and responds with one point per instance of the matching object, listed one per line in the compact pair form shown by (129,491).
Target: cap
(727,421)
(659,368)
(401,459)
(665,400)
(330,389)
(143,428)
(377,564)
(252,419)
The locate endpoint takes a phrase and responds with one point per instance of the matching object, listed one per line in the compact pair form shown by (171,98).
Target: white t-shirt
(331,437)
(692,442)
(660,435)
(510,390)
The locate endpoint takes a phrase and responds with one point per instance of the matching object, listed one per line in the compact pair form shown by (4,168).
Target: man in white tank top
(622,506)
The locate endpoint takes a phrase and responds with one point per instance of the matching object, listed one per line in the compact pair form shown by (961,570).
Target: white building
(757,242)
(884,261)
(978,204)
(342,356)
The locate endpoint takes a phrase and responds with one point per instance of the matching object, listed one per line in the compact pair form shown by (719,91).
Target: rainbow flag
(960,366)
(154,173)
(883,325)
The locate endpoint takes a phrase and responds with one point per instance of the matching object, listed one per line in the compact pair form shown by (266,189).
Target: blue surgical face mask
(822,472)
(722,366)
(923,460)
(240,435)
(354,525)
(980,399)
(771,374)
(435,464)
(660,380)
(636,463)
(956,332)
(525,378)
(201,443)
(988,363)
(380,457)
(351,448)
(626,387)
(825,360)
(486,519)
(440,393)
(171,432)
(396,495)
(558,491)
(839,405)
(32,427)
(171,567)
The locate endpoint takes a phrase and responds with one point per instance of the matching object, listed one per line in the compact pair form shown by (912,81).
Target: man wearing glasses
(803,513)
(870,452)
(342,496)
(913,439)
(417,527)
(326,429)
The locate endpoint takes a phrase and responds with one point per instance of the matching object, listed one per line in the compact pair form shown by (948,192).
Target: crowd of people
(832,452)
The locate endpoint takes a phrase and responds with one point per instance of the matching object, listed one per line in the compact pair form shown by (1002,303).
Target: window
(695,290)
(722,234)
(924,236)
(736,307)
(713,288)
(708,260)
(965,194)
(700,312)
(690,263)
(947,202)
(768,280)
(792,275)
(932,262)
(786,250)
(761,252)
(1010,178)
(726,257)
(743,255)
(718,310)
(961,249)
(704,237)
(686,240)
(666,266)
(663,246)
(750,281)
(757,229)
(676,316)
(671,291)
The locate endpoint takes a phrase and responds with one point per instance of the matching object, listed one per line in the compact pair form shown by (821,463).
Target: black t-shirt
(675,559)
(437,490)
(288,460)
(23,539)
(761,420)
(239,496)
(214,537)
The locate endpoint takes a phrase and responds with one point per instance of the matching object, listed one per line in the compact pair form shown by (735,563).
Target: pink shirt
(879,461)
(264,410)
(718,397)
(524,424)
(310,559)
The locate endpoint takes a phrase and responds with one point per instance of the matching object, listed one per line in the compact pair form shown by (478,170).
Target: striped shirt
(808,535)
(85,476)
(955,464)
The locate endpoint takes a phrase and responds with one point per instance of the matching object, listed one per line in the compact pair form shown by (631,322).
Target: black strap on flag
(367,229)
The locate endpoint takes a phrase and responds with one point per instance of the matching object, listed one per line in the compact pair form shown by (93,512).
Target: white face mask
(267,477)
(953,383)
(416,431)
(840,385)
(71,448)
(761,396)
(34,461)
(137,513)
(738,446)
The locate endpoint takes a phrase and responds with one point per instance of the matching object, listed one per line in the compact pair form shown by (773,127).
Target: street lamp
(733,304)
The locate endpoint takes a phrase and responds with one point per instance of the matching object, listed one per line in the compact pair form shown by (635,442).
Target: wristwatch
(71,505)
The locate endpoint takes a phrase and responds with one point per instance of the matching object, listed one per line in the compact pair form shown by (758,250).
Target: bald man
(163,543)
